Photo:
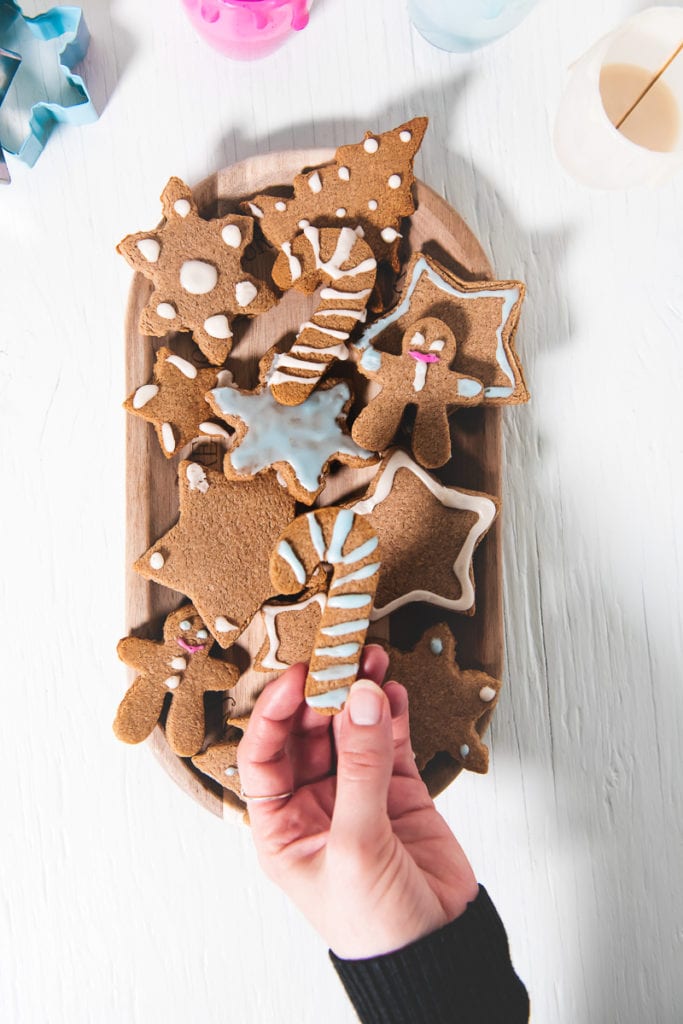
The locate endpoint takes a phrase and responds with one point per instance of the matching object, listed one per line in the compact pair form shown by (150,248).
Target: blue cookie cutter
(65,98)
(9,65)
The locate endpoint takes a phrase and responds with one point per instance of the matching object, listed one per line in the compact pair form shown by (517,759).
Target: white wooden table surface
(120,899)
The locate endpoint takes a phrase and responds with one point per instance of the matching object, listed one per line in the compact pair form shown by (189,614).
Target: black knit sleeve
(460,974)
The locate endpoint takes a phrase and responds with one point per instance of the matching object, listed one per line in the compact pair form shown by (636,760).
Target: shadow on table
(111,50)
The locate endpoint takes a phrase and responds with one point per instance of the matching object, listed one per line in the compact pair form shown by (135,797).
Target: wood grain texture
(152,488)
(123,902)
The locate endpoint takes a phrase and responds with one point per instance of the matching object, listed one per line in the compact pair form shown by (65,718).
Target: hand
(364,853)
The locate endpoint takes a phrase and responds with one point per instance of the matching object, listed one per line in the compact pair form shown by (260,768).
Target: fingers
(310,746)
(365,759)
(374,663)
(404,759)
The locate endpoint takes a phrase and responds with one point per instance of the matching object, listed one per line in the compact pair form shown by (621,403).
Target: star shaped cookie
(181,667)
(219,761)
(428,534)
(483,316)
(175,401)
(420,376)
(299,441)
(218,551)
(195,266)
(445,701)
(369,185)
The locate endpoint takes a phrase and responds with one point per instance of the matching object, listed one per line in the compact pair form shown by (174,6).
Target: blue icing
(358,554)
(317,539)
(305,436)
(285,551)
(371,358)
(468,388)
(359,574)
(342,528)
(436,645)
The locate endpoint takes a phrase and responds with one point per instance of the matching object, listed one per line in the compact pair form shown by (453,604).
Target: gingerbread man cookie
(196,268)
(421,376)
(175,401)
(446,702)
(181,667)
(369,185)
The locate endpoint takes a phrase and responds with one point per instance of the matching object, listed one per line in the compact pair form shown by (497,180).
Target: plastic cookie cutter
(9,65)
(43,90)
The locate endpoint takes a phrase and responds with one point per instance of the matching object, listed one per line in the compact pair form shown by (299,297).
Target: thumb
(365,761)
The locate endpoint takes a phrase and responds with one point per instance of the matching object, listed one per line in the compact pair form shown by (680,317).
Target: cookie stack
(360,384)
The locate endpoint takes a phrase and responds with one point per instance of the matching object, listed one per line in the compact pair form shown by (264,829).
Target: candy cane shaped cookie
(343,263)
(345,543)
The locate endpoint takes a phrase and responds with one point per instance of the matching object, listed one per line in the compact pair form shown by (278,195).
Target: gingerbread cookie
(219,761)
(335,538)
(218,551)
(175,401)
(195,266)
(369,185)
(483,316)
(344,264)
(446,703)
(290,633)
(428,534)
(299,441)
(181,667)
(421,377)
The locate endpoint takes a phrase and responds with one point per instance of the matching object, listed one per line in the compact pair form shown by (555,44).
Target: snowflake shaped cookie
(195,266)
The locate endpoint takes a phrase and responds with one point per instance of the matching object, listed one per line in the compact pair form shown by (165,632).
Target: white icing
(360,315)
(394,181)
(144,395)
(293,362)
(179,664)
(341,212)
(185,625)
(182,207)
(417,340)
(334,293)
(224,379)
(304,224)
(187,369)
(339,335)
(245,292)
(156,560)
(330,351)
(218,326)
(333,673)
(346,628)
(359,231)
(314,183)
(231,771)
(172,682)
(450,497)
(198,277)
(256,210)
(360,574)
(487,693)
(232,236)
(342,254)
(196,478)
(168,437)
(223,625)
(214,430)
(343,650)
(372,204)
(166,311)
(344,173)
(437,346)
(287,553)
(420,376)
(332,699)
(405,136)
(464,750)
(294,263)
(390,235)
(149,248)
(371,145)
(269,614)
(280,206)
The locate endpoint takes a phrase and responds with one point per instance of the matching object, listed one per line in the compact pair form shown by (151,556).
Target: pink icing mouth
(423,357)
(189,648)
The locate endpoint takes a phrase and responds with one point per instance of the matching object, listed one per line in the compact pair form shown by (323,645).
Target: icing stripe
(358,554)
(334,672)
(342,528)
(331,699)
(354,314)
(317,538)
(340,651)
(286,359)
(360,574)
(286,551)
(294,263)
(309,325)
(334,293)
(344,628)
(340,352)
(349,601)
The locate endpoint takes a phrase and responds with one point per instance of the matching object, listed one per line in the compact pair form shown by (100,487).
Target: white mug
(587,143)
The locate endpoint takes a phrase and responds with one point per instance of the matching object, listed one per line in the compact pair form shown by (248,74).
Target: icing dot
(150,249)
(390,234)
(360,232)
(172,682)
(144,395)
(232,236)
(196,478)
(202,634)
(373,204)
(341,212)
(405,136)
(314,183)
(344,173)
(185,625)
(304,224)
(198,277)
(182,207)
(245,292)
(256,210)
(157,560)
(179,664)
(187,369)
(371,145)
(224,379)
(464,750)
(218,326)
(167,437)
(487,693)
(280,206)
(394,181)
(214,430)
(436,645)
(166,311)
(231,771)
(224,625)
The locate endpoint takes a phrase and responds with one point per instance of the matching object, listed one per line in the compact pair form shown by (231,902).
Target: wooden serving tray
(152,489)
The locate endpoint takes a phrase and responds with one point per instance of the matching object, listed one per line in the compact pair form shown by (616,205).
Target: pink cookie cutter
(247,29)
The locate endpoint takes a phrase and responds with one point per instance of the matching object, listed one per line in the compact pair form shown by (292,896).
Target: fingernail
(365,702)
